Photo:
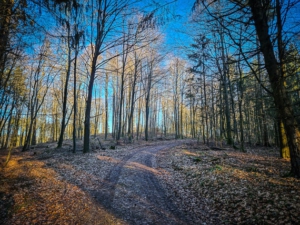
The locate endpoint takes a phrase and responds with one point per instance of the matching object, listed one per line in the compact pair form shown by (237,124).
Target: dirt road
(122,186)
(133,192)
(162,182)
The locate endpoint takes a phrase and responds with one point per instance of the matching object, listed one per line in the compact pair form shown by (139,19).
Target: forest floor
(157,182)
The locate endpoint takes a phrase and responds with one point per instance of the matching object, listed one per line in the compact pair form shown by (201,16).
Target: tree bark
(281,98)
(75,101)
(106,106)
(65,96)
(87,119)
(284,147)
(132,105)
(147,103)
(6,11)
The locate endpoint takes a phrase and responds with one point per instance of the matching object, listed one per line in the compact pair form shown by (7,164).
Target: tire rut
(133,192)
(108,187)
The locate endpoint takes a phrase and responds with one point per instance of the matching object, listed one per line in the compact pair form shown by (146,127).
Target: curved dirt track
(126,186)
(162,182)
(133,192)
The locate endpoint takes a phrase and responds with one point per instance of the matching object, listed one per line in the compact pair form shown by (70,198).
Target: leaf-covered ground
(50,186)
(35,187)
(237,187)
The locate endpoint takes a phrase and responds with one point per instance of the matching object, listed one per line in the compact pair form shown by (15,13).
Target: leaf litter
(54,186)
(236,187)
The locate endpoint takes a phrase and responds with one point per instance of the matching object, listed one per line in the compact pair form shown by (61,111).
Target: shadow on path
(133,192)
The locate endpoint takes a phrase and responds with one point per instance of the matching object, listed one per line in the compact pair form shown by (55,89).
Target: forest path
(133,192)
(155,182)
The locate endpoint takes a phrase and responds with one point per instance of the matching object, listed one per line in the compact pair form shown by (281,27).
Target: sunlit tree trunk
(132,105)
(16,128)
(139,116)
(37,98)
(87,119)
(106,106)
(181,113)
(75,97)
(147,97)
(284,147)
(34,136)
(124,60)
(65,93)
(175,76)
(99,20)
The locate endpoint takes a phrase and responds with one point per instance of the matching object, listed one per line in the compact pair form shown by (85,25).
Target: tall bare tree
(105,15)
(40,81)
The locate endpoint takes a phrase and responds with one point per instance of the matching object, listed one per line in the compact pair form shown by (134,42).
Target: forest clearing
(186,182)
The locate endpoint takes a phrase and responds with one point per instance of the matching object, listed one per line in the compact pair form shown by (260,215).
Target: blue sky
(176,30)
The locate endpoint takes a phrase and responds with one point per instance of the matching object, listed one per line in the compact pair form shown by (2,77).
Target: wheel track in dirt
(132,190)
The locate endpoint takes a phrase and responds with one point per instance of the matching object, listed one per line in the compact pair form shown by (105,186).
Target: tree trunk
(29,133)
(106,106)
(75,102)
(132,105)
(14,136)
(65,98)
(87,119)
(33,137)
(240,104)
(147,103)
(124,60)
(97,114)
(5,27)
(284,148)
(8,132)
(147,118)
(138,120)
(281,98)
(205,131)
